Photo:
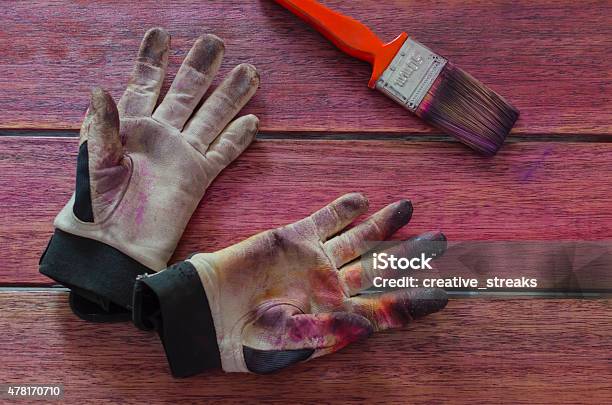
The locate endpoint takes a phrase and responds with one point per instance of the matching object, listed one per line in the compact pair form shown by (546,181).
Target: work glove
(142,170)
(286,295)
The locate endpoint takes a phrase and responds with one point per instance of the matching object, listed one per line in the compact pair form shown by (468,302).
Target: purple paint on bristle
(463,107)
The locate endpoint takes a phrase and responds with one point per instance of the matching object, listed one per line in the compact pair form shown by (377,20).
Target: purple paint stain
(143,197)
(528,174)
(140,211)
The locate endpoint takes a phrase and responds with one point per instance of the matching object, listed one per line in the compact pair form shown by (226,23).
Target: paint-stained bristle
(462,106)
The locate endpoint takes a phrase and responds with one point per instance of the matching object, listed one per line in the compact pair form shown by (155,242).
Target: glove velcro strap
(101,277)
(174,303)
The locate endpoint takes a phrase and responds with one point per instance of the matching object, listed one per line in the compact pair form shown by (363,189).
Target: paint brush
(422,81)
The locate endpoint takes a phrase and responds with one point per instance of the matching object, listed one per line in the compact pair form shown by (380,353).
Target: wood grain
(496,351)
(531,191)
(549,57)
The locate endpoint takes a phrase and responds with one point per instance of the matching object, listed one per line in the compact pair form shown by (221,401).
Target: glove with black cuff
(286,295)
(142,170)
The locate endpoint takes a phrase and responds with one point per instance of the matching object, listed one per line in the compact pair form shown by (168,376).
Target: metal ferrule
(411,74)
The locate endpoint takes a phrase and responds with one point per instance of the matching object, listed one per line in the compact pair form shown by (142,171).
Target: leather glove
(286,295)
(142,170)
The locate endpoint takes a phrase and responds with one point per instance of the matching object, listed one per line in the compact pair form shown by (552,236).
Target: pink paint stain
(146,184)
(140,210)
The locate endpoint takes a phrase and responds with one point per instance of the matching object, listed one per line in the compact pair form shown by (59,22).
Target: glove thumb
(100,130)
(306,336)
(100,149)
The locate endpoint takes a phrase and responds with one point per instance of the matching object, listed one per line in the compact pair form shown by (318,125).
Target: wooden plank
(549,57)
(531,191)
(475,351)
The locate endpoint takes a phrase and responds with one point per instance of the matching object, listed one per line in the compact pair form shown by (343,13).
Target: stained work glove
(142,170)
(282,296)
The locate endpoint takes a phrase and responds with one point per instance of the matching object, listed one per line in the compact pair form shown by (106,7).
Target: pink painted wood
(528,192)
(476,350)
(547,57)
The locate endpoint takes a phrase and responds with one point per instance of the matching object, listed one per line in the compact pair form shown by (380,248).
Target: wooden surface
(516,196)
(477,350)
(552,182)
(550,58)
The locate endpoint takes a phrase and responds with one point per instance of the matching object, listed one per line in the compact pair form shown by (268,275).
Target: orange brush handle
(351,36)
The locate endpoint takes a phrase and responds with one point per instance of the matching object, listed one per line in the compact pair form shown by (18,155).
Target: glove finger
(359,274)
(303,337)
(148,74)
(221,107)
(337,215)
(231,143)
(396,309)
(358,240)
(191,82)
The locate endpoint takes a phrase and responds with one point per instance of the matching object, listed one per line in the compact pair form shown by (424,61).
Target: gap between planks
(455,294)
(348,136)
